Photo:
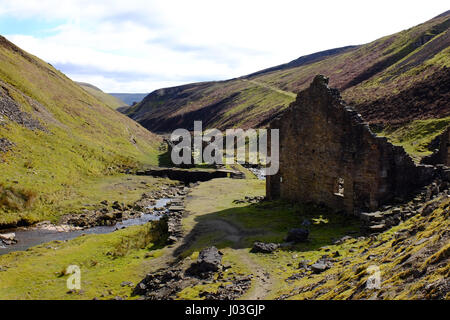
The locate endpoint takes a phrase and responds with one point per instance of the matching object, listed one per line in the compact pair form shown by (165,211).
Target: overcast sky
(140,46)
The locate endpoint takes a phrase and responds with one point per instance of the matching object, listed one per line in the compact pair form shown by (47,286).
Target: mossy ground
(416,136)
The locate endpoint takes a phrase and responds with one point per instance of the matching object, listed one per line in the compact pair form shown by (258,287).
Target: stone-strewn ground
(11,110)
(334,262)
(111,213)
(5,145)
(391,215)
(412,260)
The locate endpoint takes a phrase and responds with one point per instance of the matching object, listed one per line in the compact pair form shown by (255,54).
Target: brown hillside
(391,80)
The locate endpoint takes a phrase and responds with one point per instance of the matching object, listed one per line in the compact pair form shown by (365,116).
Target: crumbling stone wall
(328,155)
(442,154)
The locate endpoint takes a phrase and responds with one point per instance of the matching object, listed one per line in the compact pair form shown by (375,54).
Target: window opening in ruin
(339,187)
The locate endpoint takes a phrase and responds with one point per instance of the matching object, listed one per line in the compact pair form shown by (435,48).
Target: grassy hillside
(55,136)
(232,103)
(109,100)
(393,80)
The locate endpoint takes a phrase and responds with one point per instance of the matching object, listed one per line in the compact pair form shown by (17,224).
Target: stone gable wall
(328,155)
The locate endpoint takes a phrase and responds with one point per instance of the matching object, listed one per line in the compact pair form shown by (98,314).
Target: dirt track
(197,225)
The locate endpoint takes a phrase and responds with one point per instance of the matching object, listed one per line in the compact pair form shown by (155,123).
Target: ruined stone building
(442,153)
(328,155)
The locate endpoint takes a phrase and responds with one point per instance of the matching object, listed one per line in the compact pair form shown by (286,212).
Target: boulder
(342,240)
(377,228)
(171,239)
(304,264)
(237,175)
(117,206)
(127,284)
(176,208)
(297,235)
(319,267)
(8,238)
(209,260)
(371,216)
(262,247)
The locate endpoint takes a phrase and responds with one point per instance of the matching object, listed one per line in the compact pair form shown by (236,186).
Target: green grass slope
(109,100)
(57,137)
(393,80)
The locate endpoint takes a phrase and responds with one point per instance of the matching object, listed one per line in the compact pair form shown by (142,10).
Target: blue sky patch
(30,26)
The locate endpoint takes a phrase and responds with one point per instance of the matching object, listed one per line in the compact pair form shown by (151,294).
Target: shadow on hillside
(240,227)
(164,160)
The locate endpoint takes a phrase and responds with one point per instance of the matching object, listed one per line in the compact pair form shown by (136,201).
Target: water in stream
(30,237)
(258,172)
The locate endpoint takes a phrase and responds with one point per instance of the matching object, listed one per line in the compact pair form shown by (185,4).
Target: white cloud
(139,46)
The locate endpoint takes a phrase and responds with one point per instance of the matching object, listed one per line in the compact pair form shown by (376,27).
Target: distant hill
(392,81)
(304,60)
(111,101)
(54,134)
(129,98)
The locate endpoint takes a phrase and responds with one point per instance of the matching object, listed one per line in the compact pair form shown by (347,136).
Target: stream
(258,172)
(32,236)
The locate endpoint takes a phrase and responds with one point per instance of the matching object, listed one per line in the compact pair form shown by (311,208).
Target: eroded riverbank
(150,207)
